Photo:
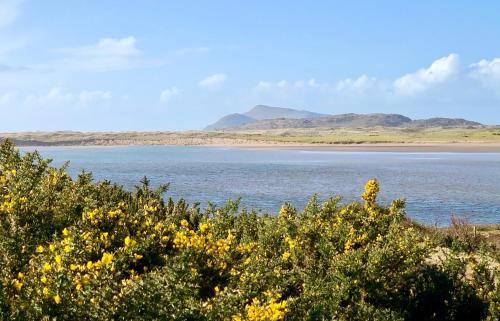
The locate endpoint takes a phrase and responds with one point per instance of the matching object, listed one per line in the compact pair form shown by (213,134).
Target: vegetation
(318,136)
(74,249)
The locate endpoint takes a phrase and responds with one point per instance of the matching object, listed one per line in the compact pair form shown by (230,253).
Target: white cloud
(105,55)
(488,72)
(438,72)
(284,85)
(213,82)
(55,95)
(9,10)
(264,86)
(169,93)
(359,84)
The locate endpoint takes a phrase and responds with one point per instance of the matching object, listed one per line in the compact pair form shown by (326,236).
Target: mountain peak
(258,113)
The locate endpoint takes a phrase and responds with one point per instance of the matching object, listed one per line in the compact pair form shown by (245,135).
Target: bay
(435,185)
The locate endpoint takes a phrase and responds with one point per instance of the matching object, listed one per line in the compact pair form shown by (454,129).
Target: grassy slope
(303,136)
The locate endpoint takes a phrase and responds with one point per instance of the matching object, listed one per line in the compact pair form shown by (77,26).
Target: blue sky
(176,65)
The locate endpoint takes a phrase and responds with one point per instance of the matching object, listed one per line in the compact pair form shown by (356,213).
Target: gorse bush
(73,249)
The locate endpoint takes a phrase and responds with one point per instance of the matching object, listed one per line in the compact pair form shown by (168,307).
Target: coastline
(375,147)
(362,147)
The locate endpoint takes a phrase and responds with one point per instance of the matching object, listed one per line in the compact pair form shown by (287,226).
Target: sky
(178,65)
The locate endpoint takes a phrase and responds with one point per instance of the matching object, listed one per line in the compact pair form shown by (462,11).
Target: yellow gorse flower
(17,285)
(370,194)
(129,241)
(106,258)
(268,311)
(46,267)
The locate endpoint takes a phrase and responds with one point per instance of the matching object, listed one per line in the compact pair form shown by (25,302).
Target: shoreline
(362,147)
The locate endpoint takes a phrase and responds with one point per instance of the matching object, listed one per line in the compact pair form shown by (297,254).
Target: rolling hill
(260,112)
(265,117)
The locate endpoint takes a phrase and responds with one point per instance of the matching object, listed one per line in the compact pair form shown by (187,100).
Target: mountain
(230,121)
(344,120)
(260,112)
(263,117)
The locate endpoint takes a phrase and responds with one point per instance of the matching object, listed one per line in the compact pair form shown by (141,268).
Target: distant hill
(444,122)
(265,117)
(260,112)
(344,120)
(231,121)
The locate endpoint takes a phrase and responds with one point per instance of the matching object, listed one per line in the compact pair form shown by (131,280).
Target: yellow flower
(43,279)
(39,249)
(285,255)
(65,232)
(129,241)
(52,247)
(370,194)
(46,267)
(283,211)
(17,285)
(58,259)
(45,291)
(89,265)
(203,227)
(73,267)
(137,257)
(20,275)
(57,299)
(184,223)
(67,248)
(106,258)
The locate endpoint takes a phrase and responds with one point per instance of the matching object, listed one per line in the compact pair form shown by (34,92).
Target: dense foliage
(73,249)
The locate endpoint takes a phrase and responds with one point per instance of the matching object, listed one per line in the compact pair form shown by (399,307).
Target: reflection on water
(435,185)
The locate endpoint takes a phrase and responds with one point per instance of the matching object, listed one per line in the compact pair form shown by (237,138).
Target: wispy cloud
(106,55)
(213,82)
(9,11)
(285,85)
(57,96)
(88,97)
(360,84)
(169,93)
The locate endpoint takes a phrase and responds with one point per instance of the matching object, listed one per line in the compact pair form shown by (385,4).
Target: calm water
(435,185)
